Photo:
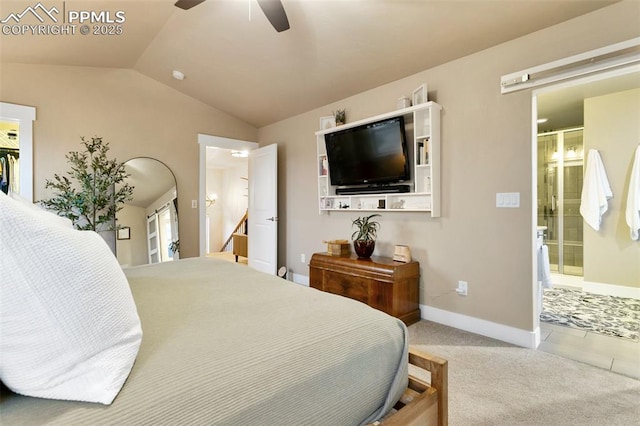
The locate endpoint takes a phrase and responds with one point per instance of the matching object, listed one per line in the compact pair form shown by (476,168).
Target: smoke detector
(178,75)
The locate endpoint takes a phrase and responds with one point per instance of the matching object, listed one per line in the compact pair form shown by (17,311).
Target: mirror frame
(174,202)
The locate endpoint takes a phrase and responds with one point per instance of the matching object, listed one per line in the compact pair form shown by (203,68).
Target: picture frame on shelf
(323,165)
(124,233)
(327,122)
(419,95)
(327,203)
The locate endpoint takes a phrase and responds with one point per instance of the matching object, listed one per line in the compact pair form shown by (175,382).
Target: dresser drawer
(345,285)
(380,282)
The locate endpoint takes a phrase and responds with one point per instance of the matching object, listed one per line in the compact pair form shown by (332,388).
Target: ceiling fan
(273,10)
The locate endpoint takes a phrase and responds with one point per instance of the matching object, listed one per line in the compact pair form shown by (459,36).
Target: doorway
(9,157)
(262,244)
(22,117)
(226,200)
(206,142)
(561,144)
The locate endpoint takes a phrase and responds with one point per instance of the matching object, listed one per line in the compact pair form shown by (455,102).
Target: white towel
(596,191)
(633,199)
(544,269)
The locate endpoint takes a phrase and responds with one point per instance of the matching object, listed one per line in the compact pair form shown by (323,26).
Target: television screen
(374,153)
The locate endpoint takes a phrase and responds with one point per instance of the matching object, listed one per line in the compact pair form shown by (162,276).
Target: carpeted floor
(494,383)
(609,315)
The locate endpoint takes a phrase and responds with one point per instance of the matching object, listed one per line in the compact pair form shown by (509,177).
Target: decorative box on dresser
(380,282)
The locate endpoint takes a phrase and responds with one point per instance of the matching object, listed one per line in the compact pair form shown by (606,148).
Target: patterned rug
(608,315)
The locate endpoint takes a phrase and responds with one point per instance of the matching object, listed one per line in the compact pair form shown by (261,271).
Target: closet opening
(9,157)
(16,139)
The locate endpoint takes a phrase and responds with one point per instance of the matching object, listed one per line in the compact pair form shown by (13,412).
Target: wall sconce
(211,199)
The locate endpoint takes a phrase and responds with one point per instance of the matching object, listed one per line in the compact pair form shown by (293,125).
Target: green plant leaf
(87,194)
(367,229)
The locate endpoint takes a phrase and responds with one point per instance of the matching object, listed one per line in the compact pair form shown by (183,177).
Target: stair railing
(241,228)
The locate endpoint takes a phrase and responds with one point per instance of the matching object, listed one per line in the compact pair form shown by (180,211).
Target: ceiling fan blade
(274,11)
(187,4)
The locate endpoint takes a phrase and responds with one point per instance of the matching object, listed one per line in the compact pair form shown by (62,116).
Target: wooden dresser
(379,282)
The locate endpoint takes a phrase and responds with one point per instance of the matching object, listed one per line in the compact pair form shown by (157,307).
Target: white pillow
(69,328)
(62,221)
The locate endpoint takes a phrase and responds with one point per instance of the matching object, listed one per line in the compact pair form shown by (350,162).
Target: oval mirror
(148,224)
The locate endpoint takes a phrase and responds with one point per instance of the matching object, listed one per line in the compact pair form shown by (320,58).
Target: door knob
(273,219)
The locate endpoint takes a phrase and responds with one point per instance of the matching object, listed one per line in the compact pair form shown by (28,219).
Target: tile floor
(621,356)
(611,353)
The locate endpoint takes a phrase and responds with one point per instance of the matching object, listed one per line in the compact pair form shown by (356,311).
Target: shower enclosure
(560,176)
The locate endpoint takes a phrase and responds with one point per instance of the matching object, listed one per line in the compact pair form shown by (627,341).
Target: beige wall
(486,148)
(138,116)
(612,126)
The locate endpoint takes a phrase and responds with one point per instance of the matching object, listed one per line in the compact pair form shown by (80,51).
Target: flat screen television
(374,153)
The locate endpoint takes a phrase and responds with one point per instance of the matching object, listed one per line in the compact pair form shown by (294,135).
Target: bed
(226,345)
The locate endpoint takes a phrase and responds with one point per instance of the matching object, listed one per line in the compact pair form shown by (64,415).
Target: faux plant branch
(93,191)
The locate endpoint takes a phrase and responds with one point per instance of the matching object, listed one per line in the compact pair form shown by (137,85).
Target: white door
(152,239)
(263,209)
(163,218)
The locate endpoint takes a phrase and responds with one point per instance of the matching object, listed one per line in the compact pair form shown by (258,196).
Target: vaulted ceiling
(235,61)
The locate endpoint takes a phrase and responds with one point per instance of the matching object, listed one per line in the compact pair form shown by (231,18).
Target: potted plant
(94,190)
(364,238)
(175,246)
(340,117)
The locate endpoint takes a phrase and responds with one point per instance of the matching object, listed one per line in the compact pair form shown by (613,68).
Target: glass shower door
(548,194)
(560,177)
(572,236)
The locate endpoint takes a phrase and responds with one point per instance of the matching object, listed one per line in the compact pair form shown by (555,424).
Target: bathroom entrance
(560,176)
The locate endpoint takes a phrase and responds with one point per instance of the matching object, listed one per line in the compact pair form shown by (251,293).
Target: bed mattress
(226,345)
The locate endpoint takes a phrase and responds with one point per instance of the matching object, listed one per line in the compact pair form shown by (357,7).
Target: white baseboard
(594,287)
(505,333)
(299,278)
(515,336)
(611,290)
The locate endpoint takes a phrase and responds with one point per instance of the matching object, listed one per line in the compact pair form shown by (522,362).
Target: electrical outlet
(303,258)
(462,288)
(194,204)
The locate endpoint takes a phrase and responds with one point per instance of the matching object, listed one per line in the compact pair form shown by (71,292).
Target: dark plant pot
(364,248)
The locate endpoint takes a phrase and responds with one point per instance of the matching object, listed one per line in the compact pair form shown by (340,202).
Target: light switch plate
(508,200)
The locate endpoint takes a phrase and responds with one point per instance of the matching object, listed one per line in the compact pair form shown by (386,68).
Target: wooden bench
(240,245)
(422,403)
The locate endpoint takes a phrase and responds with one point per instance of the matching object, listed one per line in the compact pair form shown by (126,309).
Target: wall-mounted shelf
(422,127)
